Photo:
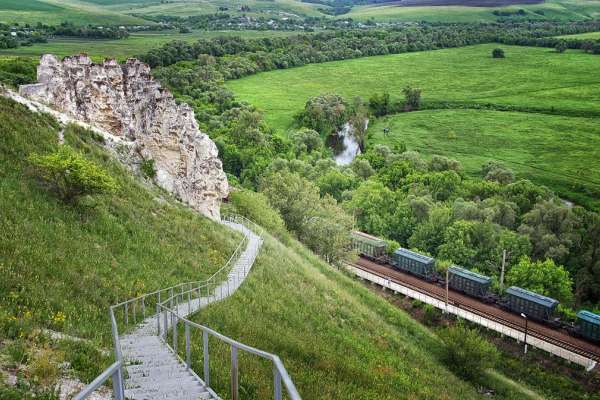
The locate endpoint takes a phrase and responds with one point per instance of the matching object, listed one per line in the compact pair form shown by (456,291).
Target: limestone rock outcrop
(124,100)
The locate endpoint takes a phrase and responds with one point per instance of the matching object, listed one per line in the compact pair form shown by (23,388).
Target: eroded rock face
(126,101)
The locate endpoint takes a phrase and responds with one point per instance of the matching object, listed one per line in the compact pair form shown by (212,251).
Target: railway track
(556,337)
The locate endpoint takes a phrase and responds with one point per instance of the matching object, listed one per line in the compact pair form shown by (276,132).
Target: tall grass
(63,265)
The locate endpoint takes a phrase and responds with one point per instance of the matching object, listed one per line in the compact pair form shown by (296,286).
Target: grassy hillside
(186,8)
(135,44)
(567,10)
(560,152)
(75,260)
(57,11)
(527,77)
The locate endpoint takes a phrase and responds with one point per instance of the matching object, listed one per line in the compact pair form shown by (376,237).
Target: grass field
(587,35)
(552,9)
(527,77)
(56,257)
(560,152)
(57,11)
(555,150)
(135,44)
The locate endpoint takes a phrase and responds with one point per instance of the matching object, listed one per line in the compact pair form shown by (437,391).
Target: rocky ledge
(124,100)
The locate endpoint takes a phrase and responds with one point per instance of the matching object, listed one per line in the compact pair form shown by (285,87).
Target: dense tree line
(249,56)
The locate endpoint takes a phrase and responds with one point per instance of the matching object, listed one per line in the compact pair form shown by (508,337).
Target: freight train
(515,299)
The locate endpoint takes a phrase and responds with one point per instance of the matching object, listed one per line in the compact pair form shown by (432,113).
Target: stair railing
(162,301)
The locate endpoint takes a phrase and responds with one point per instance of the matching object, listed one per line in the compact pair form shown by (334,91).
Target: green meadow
(527,77)
(121,49)
(557,151)
(57,11)
(567,10)
(200,7)
(560,150)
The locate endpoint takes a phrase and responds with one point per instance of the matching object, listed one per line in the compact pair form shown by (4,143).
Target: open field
(587,35)
(184,8)
(135,44)
(527,77)
(552,9)
(560,152)
(57,11)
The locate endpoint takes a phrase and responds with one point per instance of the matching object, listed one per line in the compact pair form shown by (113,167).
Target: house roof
(465,273)
(532,296)
(414,256)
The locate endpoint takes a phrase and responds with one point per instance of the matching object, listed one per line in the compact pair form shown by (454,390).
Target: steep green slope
(58,259)
(337,339)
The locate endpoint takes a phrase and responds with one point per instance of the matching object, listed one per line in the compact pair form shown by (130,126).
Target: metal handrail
(114,372)
(176,293)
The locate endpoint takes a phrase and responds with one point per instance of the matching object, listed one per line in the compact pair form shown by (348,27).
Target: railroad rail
(574,350)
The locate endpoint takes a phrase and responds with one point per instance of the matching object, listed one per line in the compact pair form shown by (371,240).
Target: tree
(494,171)
(325,114)
(412,98)
(466,352)
(372,205)
(543,277)
(380,104)
(362,168)
(294,197)
(561,46)
(71,175)
(306,141)
(497,53)
(552,229)
(429,235)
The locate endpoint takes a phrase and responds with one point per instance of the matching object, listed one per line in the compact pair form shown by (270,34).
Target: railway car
(469,282)
(369,246)
(415,263)
(588,325)
(533,305)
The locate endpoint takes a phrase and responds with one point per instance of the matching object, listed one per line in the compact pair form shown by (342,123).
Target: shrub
(147,168)
(497,53)
(43,369)
(71,175)
(86,360)
(466,352)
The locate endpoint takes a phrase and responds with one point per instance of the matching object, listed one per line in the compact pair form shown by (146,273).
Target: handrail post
(190,301)
(234,373)
(126,314)
(206,359)
(277,383)
(144,307)
(174,323)
(188,353)
(166,330)
(117,381)
(157,319)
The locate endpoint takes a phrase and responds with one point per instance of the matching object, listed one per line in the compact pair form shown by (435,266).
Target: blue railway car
(588,325)
(415,263)
(468,282)
(533,305)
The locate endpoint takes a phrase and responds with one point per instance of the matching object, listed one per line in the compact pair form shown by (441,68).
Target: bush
(71,175)
(497,53)
(147,168)
(86,360)
(466,352)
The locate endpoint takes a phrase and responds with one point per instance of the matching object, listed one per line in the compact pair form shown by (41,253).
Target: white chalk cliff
(124,100)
